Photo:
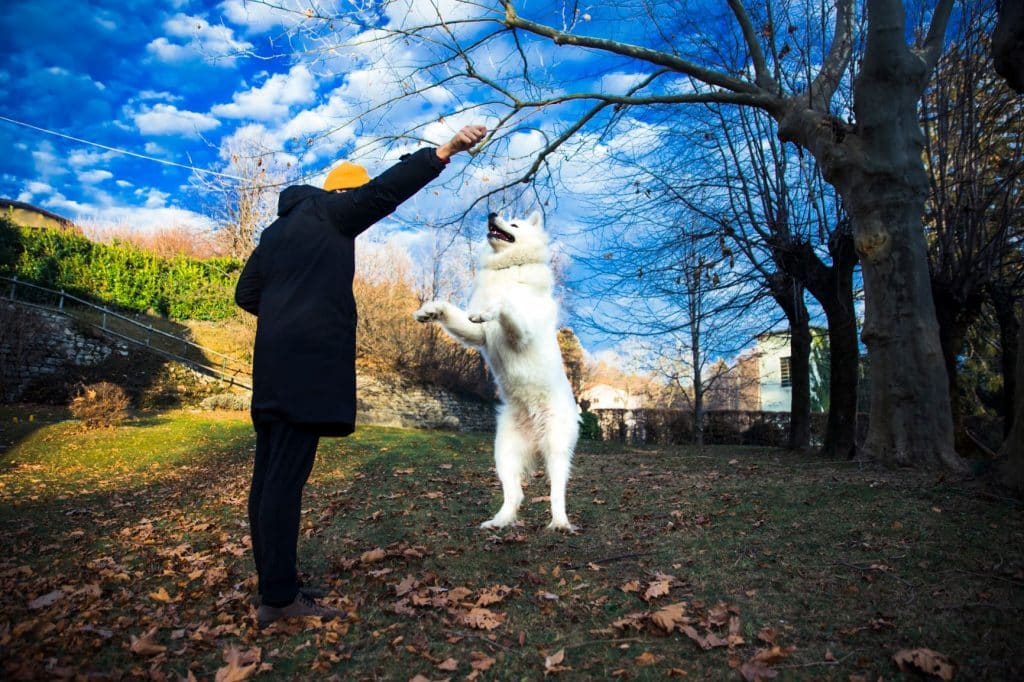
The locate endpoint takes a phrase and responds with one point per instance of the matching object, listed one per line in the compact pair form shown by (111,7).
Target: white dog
(512,320)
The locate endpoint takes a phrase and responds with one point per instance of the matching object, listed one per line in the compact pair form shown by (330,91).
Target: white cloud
(166,119)
(205,41)
(124,184)
(619,82)
(162,95)
(273,99)
(154,198)
(93,177)
(256,17)
(81,158)
(153,149)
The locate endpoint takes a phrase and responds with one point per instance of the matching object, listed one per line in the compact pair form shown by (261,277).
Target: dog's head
(516,234)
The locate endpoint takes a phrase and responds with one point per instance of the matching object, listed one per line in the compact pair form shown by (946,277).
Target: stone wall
(36,345)
(393,400)
(44,354)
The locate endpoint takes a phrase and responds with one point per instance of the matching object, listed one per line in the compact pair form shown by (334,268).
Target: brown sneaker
(312,592)
(303,606)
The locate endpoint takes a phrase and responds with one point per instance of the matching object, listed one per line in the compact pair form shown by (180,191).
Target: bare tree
(243,199)
(973,141)
(871,155)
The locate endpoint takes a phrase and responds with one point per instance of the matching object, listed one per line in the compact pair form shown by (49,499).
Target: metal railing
(230,369)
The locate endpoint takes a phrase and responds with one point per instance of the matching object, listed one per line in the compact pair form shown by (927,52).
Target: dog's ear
(536,219)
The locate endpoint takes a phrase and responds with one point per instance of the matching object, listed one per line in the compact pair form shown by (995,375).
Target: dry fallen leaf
(926,661)
(646,658)
(481,661)
(145,646)
(670,616)
(553,663)
(45,600)
(373,555)
(483,619)
(657,588)
(241,665)
(160,595)
(448,665)
(756,671)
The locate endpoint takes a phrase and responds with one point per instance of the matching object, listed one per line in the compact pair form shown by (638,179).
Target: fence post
(60,304)
(104,323)
(14,283)
(149,334)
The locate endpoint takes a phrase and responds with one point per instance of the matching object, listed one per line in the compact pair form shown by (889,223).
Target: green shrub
(120,274)
(590,429)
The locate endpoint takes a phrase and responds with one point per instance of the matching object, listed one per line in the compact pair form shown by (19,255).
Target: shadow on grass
(846,564)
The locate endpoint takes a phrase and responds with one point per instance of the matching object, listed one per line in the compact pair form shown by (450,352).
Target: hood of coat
(294,195)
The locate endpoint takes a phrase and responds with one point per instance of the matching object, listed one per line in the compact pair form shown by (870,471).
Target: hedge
(120,274)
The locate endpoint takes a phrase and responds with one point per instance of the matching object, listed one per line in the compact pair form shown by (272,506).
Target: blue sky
(179,80)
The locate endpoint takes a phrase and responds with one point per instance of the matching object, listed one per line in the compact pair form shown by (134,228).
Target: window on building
(784,367)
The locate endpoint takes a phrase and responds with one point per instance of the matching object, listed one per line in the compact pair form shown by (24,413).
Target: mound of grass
(125,553)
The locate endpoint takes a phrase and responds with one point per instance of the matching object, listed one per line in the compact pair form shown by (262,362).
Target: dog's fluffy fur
(512,319)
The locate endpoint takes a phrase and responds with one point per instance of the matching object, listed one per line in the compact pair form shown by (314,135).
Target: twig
(604,641)
(471,635)
(813,663)
(609,560)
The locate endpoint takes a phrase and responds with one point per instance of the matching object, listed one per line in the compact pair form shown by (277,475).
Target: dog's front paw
(563,525)
(499,521)
(428,312)
(484,316)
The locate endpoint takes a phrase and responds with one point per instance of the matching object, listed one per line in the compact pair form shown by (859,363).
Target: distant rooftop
(33,216)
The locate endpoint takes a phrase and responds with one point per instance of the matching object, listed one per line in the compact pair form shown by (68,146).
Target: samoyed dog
(512,320)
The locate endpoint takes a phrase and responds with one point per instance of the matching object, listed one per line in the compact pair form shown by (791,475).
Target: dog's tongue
(498,233)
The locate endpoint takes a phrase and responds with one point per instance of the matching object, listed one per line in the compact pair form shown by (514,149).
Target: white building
(605,397)
(772,391)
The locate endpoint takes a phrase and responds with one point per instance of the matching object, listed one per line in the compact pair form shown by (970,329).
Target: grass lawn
(124,555)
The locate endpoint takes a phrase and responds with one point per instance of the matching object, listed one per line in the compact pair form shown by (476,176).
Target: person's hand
(463,140)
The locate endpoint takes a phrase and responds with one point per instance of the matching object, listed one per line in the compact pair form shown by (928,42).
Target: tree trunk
(1002,301)
(698,400)
(954,317)
(832,287)
(880,175)
(1008,44)
(1012,467)
(789,294)
(844,360)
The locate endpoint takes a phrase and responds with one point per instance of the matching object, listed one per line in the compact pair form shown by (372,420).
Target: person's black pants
(284,458)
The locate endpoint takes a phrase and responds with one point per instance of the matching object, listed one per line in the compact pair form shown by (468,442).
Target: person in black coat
(298,282)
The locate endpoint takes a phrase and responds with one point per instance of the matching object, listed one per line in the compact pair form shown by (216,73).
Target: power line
(121,151)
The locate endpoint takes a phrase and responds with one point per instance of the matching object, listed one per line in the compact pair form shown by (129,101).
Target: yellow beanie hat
(346,176)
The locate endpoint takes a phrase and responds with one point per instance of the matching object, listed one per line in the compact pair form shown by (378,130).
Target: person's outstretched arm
(357,209)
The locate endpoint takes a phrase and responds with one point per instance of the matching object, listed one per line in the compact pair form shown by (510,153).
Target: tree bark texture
(1009,330)
(832,287)
(880,174)
(1008,44)
(1011,468)
(789,294)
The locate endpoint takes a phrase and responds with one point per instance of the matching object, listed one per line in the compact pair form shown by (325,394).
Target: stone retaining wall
(39,347)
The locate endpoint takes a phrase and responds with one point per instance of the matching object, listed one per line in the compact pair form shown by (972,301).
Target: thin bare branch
(831,74)
(670,61)
(762,77)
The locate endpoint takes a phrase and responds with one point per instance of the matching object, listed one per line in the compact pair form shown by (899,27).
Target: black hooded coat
(298,282)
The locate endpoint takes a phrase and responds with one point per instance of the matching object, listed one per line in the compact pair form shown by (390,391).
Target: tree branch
(762,77)
(670,61)
(937,34)
(828,79)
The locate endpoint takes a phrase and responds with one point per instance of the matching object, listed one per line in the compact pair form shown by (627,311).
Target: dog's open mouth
(495,232)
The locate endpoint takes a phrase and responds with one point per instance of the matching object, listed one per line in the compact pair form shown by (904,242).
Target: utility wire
(121,151)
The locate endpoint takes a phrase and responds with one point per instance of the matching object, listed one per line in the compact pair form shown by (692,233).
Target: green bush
(589,427)
(120,274)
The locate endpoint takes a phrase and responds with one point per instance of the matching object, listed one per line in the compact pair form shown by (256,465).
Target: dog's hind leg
(558,447)
(511,451)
